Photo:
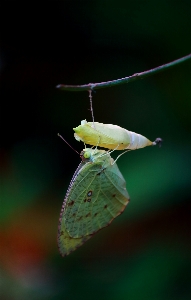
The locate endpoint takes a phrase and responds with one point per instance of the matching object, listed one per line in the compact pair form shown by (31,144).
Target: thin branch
(94,86)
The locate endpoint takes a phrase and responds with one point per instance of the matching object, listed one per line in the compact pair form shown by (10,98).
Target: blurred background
(145,253)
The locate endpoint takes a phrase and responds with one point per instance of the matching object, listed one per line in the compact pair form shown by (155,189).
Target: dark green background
(145,253)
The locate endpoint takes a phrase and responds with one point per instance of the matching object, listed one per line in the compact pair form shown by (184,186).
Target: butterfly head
(87,155)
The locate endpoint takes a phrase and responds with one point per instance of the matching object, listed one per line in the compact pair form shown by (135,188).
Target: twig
(94,86)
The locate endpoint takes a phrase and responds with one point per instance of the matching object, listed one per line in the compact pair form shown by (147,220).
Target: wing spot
(88,215)
(71,203)
(105,206)
(95,214)
(113,195)
(89,199)
(89,194)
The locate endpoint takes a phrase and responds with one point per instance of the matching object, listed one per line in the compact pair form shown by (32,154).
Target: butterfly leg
(109,152)
(119,156)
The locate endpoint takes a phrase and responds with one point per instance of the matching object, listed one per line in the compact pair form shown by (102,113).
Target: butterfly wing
(82,201)
(98,197)
(67,244)
(114,196)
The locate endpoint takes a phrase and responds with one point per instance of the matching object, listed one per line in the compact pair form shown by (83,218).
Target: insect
(95,197)
(111,136)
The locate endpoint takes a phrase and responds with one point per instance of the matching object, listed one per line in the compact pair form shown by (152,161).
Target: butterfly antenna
(68,143)
(91,106)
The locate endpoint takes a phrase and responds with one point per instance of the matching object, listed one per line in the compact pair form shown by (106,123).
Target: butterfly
(95,197)
(111,136)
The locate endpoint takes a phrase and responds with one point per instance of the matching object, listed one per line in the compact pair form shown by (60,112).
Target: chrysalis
(96,195)
(111,136)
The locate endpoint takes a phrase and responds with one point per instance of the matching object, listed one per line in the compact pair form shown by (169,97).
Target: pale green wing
(98,196)
(111,201)
(66,243)
(116,178)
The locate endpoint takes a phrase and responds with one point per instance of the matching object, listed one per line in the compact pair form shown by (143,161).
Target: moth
(95,197)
